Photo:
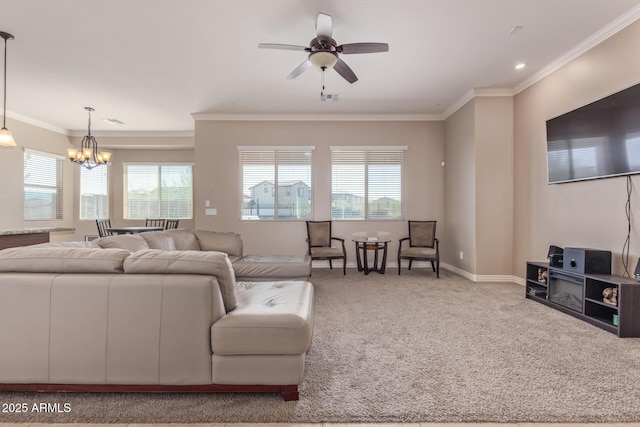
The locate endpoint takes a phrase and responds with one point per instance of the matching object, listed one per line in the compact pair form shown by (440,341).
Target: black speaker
(555,256)
(637,273)
(587,261)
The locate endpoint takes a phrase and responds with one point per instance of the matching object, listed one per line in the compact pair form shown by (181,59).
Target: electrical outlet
(211,211)
(461,255)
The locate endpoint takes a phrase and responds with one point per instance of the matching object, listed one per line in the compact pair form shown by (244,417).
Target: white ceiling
(153,63)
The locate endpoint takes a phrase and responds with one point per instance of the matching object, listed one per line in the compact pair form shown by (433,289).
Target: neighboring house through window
(158,191)
(367,183)
(93,193)
(276,183)
(42,186)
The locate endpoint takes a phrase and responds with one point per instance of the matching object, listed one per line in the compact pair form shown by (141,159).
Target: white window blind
(367,184)
(276,183)
(93,193)
(42,186)
(158,191)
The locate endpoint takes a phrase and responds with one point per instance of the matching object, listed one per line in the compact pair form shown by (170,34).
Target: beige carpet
(414,349)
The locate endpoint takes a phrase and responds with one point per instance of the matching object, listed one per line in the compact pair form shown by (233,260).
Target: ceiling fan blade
(324,27)
(281,46)
(300,69)
(345,71)
(351,48)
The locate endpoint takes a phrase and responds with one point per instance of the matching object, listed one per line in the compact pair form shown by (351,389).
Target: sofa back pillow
(228,242)
(130,242)
(184,239)
(62,260)
(153,261)
(159,240)
(68,244)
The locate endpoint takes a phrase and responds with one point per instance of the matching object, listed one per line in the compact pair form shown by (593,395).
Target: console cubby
(622,319)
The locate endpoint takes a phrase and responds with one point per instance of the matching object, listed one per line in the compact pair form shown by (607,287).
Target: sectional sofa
(163,312)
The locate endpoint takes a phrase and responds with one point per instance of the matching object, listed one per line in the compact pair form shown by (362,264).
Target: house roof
(154,64)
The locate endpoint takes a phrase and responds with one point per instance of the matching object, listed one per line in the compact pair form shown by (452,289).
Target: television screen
(599,140)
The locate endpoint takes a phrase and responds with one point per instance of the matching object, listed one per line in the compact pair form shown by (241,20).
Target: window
(93,193)
(284,170)
(42,186)
(158,191)
(367,183)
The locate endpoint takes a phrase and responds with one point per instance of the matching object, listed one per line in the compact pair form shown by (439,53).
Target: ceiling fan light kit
(324,51)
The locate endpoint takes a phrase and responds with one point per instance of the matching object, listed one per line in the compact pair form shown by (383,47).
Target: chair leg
(410,262)
(433,265)
(437,269)
(344,266)
(330,265)
(399,265)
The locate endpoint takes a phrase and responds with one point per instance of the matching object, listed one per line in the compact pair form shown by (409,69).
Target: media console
(581,295)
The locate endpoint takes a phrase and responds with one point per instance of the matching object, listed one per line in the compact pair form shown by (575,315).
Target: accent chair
(319,239)
(423,245)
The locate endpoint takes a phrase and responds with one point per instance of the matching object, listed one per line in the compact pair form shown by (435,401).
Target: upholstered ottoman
(267,335)
(260,268)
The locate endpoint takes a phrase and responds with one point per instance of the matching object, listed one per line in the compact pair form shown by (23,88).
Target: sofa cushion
(153,261)
(184,239)
(159,240)
(271,318)
(272,267)
(130,242)
(228,242)
(62,260)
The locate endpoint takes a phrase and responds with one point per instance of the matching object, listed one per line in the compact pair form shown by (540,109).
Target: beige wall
(460,190)
(581,214)
(217,176)
(12,167)
(494,185)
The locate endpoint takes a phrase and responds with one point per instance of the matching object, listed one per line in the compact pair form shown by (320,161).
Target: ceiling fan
(323,51)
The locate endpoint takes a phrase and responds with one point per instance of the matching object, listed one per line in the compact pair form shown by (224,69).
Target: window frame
(366,151)
(159,165)
(58,188)
(275,191)
(107,168)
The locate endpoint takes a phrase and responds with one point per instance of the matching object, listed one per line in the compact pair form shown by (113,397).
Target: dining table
(132,229)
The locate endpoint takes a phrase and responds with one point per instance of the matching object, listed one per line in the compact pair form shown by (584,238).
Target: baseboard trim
(470,276)
(288,392)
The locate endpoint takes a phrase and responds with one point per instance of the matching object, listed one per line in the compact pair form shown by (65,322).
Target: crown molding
(317,117)
(135,134)
(37,123)
(589,43)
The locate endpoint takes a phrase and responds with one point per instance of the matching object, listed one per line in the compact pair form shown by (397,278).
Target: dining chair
(171,224)
(423,245)
(151,222)
(319,240)
(103,224)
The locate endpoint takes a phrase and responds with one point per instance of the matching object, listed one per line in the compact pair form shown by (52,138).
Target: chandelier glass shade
(6,138)
(88,154)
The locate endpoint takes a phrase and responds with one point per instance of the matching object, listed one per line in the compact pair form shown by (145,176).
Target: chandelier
(6,139)
(88,155)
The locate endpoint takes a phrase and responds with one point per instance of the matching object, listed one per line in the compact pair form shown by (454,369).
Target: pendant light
(88,155)
(6,139)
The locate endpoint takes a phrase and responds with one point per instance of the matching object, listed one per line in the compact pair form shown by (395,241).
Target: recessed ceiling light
(520,66)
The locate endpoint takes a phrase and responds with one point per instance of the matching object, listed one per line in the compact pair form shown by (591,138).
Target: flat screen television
(599,140)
